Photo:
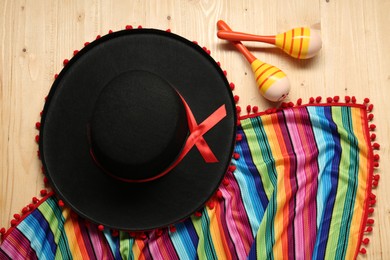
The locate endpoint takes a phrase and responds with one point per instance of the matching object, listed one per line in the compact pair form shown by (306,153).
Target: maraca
(300,43)
(272,82)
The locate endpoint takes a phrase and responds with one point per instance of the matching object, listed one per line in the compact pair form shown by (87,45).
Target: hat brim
(64,146)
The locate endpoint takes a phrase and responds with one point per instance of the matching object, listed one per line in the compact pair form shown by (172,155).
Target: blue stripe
(183,243)
(252,204)
(39,234)
(322,237)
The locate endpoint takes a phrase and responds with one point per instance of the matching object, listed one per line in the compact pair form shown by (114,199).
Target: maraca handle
(239,36)
(239,46)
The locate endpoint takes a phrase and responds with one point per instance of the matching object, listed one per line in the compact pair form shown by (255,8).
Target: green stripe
(205,248)
(126,245)
(55,219)
(351,145)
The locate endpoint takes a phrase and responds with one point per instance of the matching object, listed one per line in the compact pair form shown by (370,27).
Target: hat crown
(138,127)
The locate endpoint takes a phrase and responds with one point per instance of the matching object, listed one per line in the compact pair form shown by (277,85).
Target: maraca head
(271,81)
(300,43)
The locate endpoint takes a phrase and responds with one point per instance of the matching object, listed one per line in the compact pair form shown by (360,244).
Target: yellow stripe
(262,72)
(359,130)
(280,228)
(72,239)
(215,234)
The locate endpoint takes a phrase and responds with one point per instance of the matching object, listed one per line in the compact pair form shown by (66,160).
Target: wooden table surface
(37,35)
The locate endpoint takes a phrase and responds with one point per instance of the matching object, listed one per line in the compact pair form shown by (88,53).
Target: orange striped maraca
(272,82)
(300,43)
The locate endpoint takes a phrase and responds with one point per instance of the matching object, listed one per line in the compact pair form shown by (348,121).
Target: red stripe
(301,43)
(268,78)
(292,41)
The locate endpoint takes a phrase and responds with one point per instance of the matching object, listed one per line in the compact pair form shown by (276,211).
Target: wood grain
(35,37)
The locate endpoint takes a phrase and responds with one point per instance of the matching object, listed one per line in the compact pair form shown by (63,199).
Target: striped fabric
(298,188)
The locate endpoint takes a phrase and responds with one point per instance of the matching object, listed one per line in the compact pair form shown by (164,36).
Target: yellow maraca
(300,43)
(271,81)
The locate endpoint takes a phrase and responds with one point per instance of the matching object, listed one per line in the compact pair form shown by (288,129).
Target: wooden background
(36,35)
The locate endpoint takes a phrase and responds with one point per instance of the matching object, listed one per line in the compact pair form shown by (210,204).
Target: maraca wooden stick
(300,43)
(272,82)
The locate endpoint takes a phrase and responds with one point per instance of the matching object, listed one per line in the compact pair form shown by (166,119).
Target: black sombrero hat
(138,130)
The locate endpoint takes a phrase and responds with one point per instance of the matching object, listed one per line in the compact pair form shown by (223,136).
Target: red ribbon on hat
(194,139)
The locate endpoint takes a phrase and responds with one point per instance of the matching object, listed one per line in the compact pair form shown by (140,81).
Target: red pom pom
(311,100)
(370,107)
(37,138)
(353,99)
(224,72)
(236,156)
(363,251)
(75,52)
(225,182)
(372,196)
(25,210)
(129,27)
(299,101)
(86,43)
(172,228)
(336,99)
(376,164)
(283,105)
(329,100)
(55,76)
(377,177)
(238,109)
(110,31)
(373,137)
(198,214)
(318,99)
(159,232)
(368,229)
(347,99)
(236,98)
(168,30)
(139,27)
(35,200)
(370,210)
(232,86)
(290,104)
(43,192)
(38,125)
(115,233)
(98,37)
(376,157)
(211,204)
(2,231)
(372,127)
(372,202)
(14,222)
(219,194)
(45,180)
(232,168)
(66,61)
(375,183)
(366,241)
(219,63)
(238,137)
(366,100)
(61,203)
(195,42)
(101,227)
(370,117)
(255,109)
(370,221)
(376,146)
(16,216)
(248,108)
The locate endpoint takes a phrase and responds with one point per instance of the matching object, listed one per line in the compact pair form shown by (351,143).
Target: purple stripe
(17,246)
(293,182)
(86,238)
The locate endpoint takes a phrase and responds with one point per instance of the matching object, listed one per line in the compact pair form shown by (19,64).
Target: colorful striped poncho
(299,187)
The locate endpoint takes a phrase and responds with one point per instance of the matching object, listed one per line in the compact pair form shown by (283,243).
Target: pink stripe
(301,179)
(154,249)
(96,241)
(231,221)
